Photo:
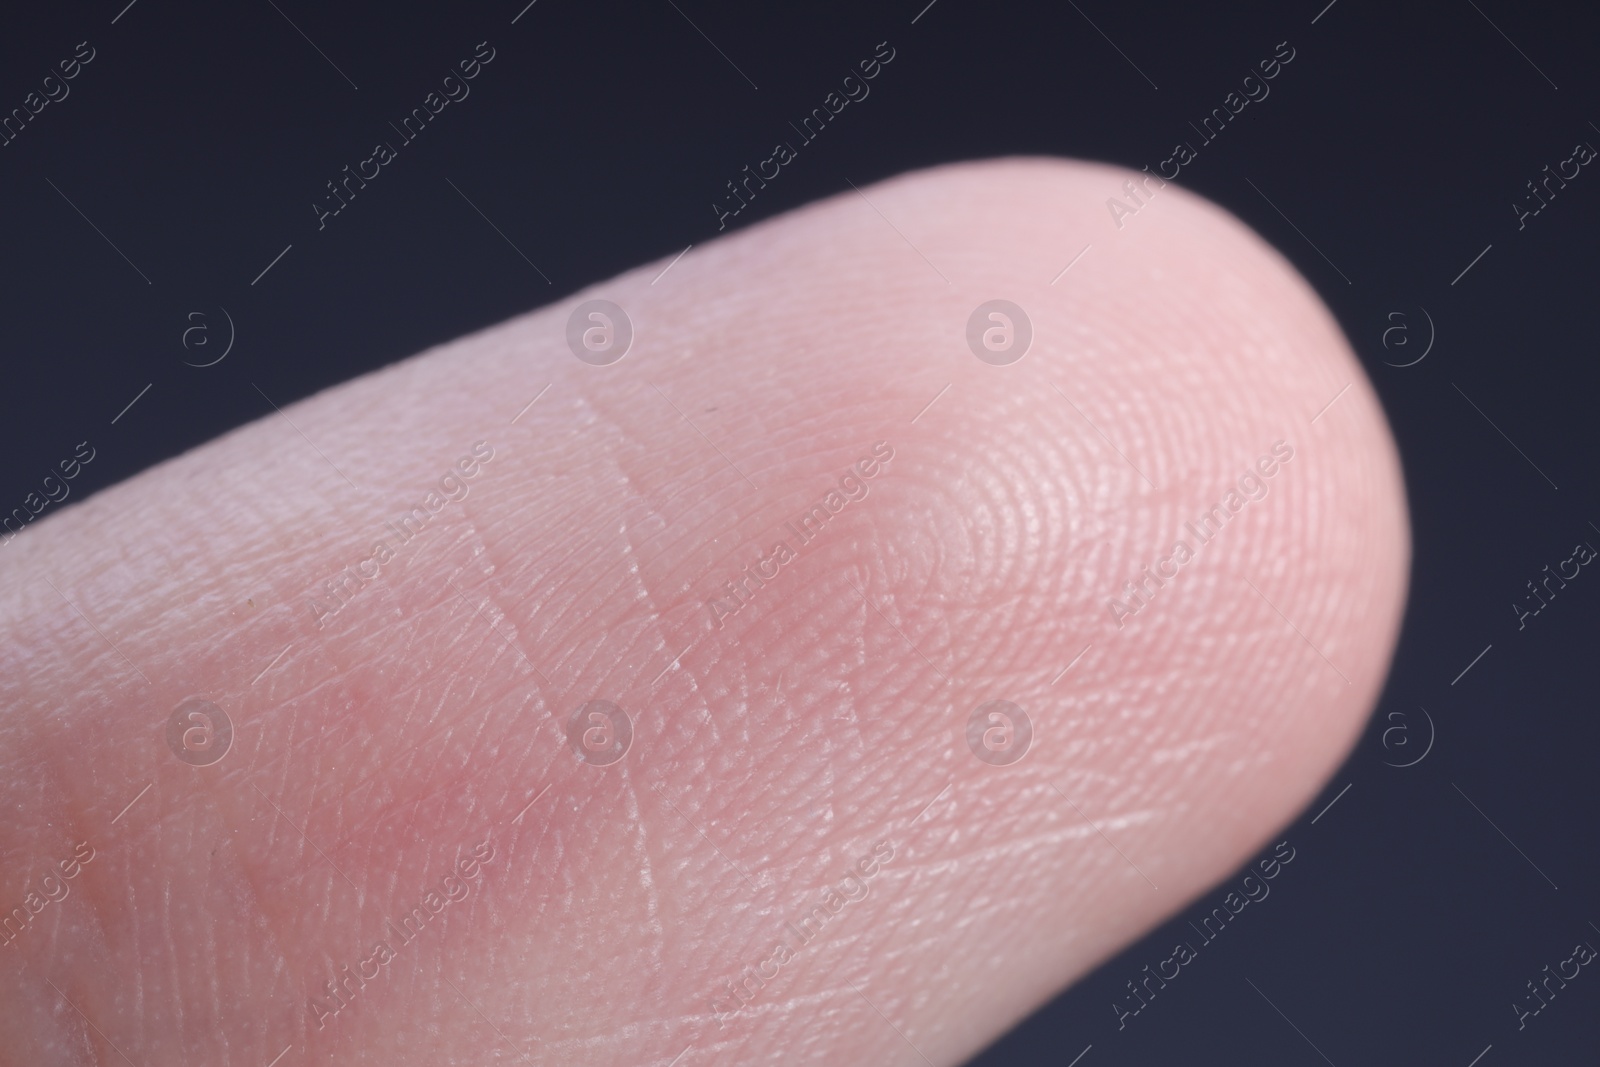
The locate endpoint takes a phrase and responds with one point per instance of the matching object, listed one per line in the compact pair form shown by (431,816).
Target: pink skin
(428,711)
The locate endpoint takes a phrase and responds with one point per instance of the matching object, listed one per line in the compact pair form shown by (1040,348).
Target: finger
(802,536)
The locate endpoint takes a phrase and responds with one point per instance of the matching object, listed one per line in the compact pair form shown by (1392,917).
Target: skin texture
(823,723)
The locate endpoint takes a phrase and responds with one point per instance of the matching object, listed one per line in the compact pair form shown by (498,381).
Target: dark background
(1396,141)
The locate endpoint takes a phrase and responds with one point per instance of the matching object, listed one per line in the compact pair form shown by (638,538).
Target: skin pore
(402,770)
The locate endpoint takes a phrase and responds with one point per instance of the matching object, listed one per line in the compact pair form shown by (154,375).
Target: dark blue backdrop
(181,161)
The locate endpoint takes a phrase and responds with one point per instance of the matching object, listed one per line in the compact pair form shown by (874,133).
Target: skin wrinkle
(634,558)
(292,716)
(656,950)
(275,946)
(165,931)
(767,816)
(578,577)
(466,781)
(78,988)
(449,603)
(120,848)
(379,775)
(763,819)
(590,655)
(717,471)
(333,849)
(383,814)
(446,727)
(431,708)
(286,827)
(1033,839)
